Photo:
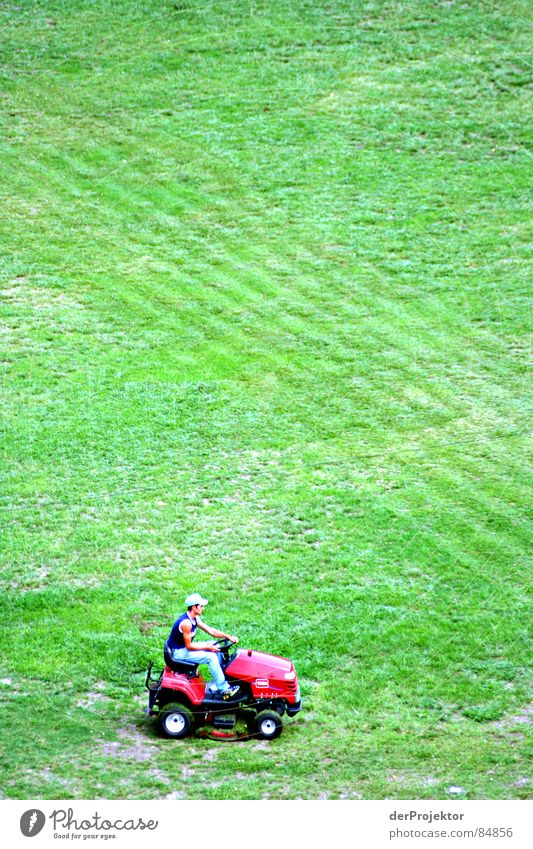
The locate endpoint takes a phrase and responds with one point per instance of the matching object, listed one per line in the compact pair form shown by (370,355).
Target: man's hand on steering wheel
(225,643)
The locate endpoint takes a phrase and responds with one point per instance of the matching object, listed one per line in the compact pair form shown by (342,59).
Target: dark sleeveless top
(176,641)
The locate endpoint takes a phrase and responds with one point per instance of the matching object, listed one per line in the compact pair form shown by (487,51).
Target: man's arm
(186,628)
(214,633)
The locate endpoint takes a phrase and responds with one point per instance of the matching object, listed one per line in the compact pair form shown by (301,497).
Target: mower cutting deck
(183,701)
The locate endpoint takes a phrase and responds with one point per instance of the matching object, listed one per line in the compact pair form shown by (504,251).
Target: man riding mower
(247,685)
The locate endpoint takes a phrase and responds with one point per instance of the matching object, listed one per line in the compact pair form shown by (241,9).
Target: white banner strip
(268,824)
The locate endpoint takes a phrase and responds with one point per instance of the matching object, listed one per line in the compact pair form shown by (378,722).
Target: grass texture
(265,336)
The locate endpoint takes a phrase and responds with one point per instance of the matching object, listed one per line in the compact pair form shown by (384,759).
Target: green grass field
(265,336)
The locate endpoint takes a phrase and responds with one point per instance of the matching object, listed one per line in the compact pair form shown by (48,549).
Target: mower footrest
(216,703)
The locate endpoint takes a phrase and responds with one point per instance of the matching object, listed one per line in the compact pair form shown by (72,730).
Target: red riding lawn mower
(183,701)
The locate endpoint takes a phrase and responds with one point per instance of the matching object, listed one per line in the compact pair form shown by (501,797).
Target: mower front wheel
(267,725)
(175,721)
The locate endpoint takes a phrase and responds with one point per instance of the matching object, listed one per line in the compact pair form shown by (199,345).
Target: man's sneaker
(230,692)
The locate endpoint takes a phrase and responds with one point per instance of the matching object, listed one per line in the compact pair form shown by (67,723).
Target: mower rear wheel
(267,725)
(175,721)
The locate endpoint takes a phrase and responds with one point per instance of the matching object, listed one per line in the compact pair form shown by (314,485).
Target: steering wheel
(224,645)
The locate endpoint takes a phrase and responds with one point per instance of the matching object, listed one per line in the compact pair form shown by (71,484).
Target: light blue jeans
(212,659)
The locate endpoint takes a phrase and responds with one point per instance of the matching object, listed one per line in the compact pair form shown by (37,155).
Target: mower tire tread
(267,725)
(175,720)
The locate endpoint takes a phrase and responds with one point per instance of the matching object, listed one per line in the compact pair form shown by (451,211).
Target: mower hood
(249,663)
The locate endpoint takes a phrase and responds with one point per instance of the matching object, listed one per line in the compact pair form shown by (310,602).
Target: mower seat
(186,667)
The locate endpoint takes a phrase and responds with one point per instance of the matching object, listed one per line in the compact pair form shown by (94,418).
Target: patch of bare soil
(147,627)
(157,773)
(92,698)
(516,723)
(406,779)
(133,745)
(46,775)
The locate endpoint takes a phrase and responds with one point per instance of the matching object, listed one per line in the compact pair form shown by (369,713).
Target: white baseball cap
(193,599)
